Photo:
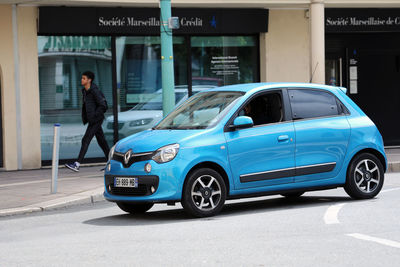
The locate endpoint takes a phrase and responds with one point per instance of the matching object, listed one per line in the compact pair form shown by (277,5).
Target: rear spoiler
(343,89)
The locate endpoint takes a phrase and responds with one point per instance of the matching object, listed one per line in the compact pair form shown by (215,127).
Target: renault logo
(127,156)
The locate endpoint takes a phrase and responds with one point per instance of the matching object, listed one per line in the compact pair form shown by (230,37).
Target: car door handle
(283,138)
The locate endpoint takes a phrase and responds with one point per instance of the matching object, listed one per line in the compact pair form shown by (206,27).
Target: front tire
(204,193)
(135,208)
(365,177)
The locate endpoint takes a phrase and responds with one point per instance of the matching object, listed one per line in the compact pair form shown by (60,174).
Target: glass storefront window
(332,72)
(224,60)
(215,61)
(62,60)
(139,82)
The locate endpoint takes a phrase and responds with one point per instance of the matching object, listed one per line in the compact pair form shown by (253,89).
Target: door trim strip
(288,172)
(315,168)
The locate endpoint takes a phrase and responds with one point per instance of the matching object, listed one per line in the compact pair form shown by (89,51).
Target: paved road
(323,228)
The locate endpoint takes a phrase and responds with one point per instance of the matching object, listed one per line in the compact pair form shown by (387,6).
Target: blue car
(248,140)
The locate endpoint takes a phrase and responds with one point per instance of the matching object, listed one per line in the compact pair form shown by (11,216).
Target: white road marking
(331,214)
(391,189)
(381,241)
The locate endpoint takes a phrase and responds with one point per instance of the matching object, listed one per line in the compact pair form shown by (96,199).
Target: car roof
(184,88)
(254,87)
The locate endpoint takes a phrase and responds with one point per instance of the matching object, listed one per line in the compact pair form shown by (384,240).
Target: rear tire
(135,208)
(365,177)
(204,193)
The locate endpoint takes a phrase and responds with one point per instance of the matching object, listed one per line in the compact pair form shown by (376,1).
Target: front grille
(134,157)
(143,189)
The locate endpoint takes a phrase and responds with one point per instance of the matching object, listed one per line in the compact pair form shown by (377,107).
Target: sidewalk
(29,191)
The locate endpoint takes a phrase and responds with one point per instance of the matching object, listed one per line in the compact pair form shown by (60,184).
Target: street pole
(167,59)
(56,149)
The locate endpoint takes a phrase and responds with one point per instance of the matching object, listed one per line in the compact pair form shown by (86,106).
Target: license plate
(125,182)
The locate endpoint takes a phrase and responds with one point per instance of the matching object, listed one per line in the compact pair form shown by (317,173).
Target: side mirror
(242,122)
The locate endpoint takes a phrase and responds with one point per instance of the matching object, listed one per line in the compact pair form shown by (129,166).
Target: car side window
(264,109)
(308,103)
(342,108)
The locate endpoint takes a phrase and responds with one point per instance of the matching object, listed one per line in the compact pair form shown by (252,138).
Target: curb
(393,166)
(86,197)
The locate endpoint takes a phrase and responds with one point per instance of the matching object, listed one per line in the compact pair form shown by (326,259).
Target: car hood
(151,140)
(132,115)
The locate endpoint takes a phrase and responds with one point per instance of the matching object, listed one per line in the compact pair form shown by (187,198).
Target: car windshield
(203,110)
(155,103)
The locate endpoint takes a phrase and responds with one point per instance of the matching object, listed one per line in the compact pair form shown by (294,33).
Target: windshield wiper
(169,128)
(196,127)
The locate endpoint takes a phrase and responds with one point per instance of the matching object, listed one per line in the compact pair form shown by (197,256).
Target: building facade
(46,47)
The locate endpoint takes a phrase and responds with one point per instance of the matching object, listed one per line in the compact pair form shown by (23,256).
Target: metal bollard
(56,148)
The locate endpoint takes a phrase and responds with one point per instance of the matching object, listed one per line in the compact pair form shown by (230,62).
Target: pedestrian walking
(93,108)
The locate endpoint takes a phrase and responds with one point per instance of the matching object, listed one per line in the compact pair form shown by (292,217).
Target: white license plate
(125,182)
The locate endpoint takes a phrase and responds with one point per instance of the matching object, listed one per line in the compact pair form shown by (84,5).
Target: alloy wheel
(367,176)
(206,192)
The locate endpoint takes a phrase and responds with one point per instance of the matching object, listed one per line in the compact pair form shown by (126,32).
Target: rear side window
(308,103)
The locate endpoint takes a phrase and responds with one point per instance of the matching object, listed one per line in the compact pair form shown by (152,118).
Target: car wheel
(293,194)
(364,177)
(135,208)
(204,193)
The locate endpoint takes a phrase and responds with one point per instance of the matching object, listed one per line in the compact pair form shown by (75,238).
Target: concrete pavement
(29,191)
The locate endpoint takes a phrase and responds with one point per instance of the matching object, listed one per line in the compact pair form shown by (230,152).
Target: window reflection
(62,60)
(216,61)
(312,103)
(139,82)
(202,111)
(224,60)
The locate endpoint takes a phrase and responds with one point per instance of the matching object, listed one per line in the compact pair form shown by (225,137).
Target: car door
(322,133)
(263,155)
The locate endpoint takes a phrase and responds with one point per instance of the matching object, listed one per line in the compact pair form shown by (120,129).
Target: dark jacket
(94,105)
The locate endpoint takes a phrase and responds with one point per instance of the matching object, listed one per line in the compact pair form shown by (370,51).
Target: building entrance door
(1,127)
(378,92)
(371,73)
(334,70)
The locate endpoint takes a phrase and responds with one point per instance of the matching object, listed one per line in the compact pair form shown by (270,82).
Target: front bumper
(147,185)
(165,178)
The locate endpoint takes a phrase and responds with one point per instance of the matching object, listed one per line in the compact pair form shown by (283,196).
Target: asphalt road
(324,228)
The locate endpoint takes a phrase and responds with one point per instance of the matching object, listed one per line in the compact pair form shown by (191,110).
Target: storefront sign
(362,20)
(136,21)
(353,73)
(226,65)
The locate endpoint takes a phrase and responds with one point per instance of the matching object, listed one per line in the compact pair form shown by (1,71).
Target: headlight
(140,122)
(111,153)
(166,153)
